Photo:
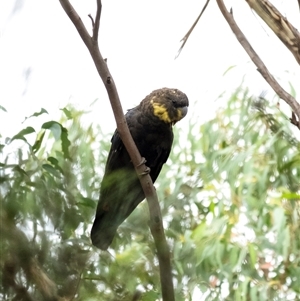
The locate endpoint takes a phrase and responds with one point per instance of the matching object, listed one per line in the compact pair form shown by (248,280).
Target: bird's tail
(101,234)
(115,204)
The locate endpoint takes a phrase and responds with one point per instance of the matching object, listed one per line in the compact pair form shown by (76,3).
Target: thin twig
(261,67)
(97,21)
(92,19)
(185,38)
(156,225)
(76,287)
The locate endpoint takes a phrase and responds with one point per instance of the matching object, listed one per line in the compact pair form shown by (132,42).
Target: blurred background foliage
(229,195)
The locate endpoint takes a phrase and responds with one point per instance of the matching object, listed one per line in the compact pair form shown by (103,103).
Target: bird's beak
(181,112)
(184,111)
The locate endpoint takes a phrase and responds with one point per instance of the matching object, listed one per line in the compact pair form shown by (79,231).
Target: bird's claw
(147,169)
(145,172)
(142,162)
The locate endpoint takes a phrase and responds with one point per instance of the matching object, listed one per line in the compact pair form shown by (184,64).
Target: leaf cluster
(229,195)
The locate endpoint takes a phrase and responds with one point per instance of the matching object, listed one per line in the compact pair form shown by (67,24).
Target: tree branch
(284,30)
(261,67)
(156,225)
(97,22)
(187,35)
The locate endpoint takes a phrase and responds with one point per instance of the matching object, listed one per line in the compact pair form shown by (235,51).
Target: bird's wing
(118,156)
(120,193)
(158,162)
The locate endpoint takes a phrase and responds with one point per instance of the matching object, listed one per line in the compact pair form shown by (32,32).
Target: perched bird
(150,124)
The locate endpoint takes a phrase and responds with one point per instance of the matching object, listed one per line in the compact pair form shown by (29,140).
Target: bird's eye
(173,100)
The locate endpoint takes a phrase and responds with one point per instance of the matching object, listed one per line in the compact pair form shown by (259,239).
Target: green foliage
(235,223)
(229,195)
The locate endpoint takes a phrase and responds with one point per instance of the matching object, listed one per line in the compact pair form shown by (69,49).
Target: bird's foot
(145,172)
(142,162)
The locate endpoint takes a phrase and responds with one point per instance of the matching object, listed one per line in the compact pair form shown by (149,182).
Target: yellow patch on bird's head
(161,111)
(179,115)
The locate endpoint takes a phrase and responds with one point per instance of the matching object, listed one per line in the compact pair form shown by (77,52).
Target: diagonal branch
(284,30)
(187,35)
(261,67)
(156,225)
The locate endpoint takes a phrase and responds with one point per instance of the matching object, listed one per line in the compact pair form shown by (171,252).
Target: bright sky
(140,39)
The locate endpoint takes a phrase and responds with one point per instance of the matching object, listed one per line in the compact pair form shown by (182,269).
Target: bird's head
(169,105)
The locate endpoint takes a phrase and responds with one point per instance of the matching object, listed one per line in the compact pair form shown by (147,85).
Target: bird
(151,127)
